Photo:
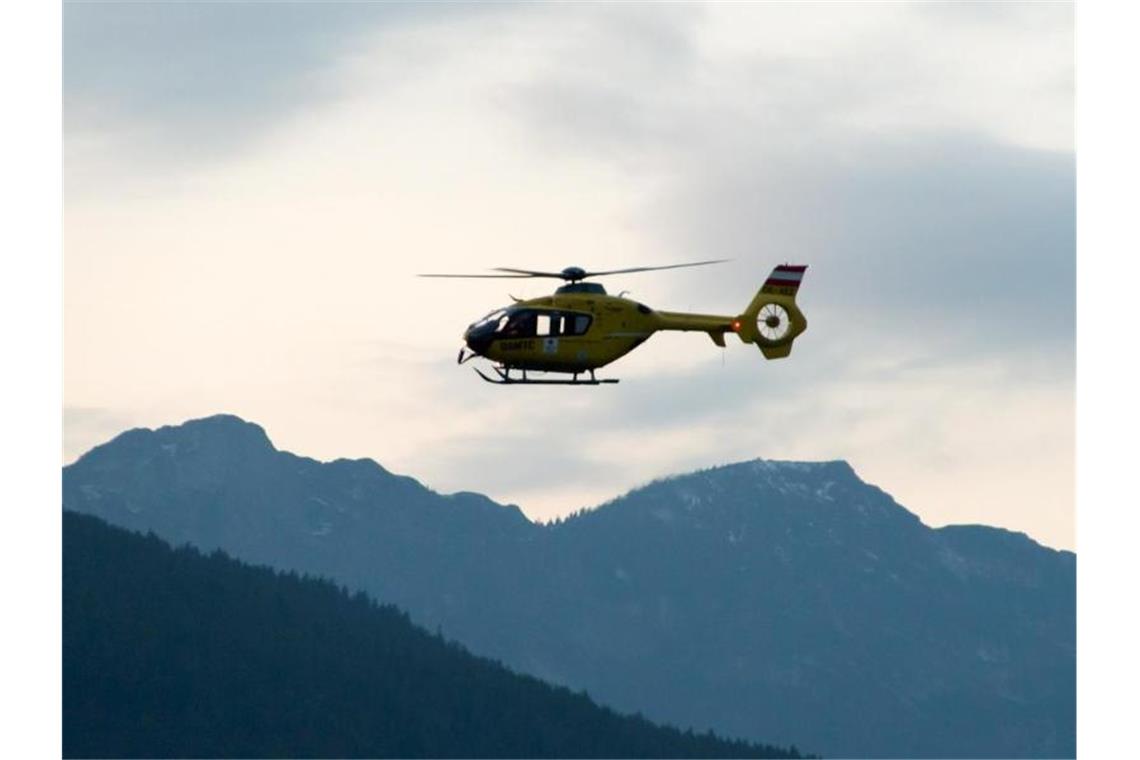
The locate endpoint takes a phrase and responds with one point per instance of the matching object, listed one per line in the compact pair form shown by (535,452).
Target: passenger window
(581,324)
(543,325)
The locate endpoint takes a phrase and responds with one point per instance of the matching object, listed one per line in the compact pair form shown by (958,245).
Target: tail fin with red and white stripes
(784,280)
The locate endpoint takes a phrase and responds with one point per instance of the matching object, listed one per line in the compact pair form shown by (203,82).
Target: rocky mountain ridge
(780,601)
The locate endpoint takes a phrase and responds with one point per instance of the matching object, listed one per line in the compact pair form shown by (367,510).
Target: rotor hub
(573,274)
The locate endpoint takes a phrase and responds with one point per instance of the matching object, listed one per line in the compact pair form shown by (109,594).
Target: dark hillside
(170,653)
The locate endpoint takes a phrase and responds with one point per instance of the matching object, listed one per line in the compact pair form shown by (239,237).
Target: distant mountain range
(175,654)
(776,601)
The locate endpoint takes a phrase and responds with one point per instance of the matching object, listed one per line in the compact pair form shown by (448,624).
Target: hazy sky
(250,189)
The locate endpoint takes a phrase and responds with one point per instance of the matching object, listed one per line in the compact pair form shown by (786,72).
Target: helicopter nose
(476,342)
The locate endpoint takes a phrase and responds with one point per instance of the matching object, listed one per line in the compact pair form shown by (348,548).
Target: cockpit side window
(530,323)
(520,324)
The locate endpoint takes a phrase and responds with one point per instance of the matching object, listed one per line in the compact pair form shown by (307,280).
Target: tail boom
(716,326)
(772,320)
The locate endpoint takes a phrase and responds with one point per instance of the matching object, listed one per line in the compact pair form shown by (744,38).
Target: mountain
(778,601)
(170,653)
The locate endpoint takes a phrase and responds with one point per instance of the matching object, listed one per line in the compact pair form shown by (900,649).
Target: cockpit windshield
(496,316)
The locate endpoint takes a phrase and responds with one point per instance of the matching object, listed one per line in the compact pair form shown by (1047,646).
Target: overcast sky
(250,189)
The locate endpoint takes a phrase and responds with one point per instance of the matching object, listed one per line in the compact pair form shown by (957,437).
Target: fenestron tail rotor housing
(773,322)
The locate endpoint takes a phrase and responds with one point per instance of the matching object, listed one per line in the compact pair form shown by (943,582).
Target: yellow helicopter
(581,328)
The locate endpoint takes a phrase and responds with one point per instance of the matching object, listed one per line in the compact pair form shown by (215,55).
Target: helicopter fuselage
(578,329)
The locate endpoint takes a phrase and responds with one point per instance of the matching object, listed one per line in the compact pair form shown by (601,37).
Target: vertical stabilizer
(773,320)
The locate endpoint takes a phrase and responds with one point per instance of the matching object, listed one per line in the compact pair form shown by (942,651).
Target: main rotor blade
(571,273)
(480,276)
(529,272)
(653,269)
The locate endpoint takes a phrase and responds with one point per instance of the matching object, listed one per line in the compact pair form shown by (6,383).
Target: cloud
(939,237)
(917,192)
(787,75)
(170,86)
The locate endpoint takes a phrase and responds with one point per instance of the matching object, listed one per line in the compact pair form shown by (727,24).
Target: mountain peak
(223,432)
(228,426)
(209,479)
(836,468)
(782,468)
(800,465)
(810,496)
(777,474)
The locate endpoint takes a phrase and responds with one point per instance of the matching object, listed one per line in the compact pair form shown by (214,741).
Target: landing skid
(505,378)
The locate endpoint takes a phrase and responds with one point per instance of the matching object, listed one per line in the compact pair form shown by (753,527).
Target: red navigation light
(736,325)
